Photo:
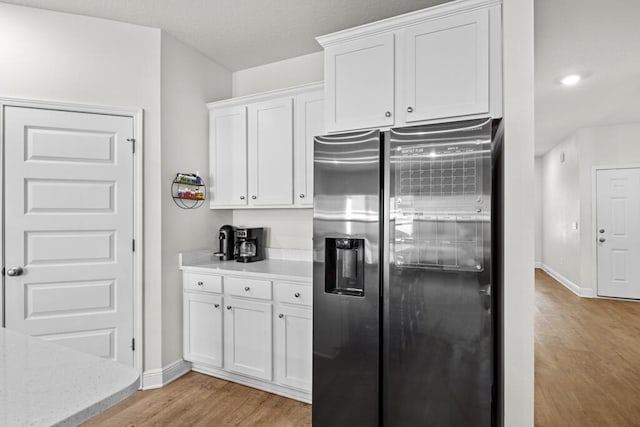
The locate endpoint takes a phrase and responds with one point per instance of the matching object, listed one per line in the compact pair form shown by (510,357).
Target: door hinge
(133,144)
(133,344)
(133,245)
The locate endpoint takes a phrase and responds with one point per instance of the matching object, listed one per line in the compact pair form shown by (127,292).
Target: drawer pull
(228,307)
(200,284)
(281,315)
(297,295)
(216,305)
(247,289)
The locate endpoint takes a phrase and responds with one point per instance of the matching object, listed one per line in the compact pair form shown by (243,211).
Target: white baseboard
(156,378)
(573,287)
(539,264)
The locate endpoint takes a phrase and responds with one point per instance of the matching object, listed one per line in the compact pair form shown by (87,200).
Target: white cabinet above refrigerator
(434,65)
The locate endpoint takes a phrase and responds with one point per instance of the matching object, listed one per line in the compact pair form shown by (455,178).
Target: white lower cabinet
(294,347)
(203,328)
(235,330)
(248,338)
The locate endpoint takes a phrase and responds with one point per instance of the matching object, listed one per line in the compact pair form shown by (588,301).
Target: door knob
(602,240)
(409,109)
(601,230)
(15,271)
(387,114)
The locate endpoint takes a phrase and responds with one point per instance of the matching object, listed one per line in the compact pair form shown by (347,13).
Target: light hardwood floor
(587,374)
(587,370)
(201,400)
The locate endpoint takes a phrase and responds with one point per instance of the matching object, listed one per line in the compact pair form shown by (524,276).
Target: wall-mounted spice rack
(188,190)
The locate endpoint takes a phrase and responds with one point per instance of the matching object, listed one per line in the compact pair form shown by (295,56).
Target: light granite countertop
(46,384)
(278,269)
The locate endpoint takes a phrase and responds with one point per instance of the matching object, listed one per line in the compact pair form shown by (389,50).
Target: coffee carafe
(226,244)
(249,244)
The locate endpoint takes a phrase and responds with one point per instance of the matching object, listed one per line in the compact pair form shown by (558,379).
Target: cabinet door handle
(216,305)
(387,114)
(247,289)
(602,240)
(409,109)
(302,196)
(228,307)
(200,284)
(241,197)
(253,197)
(281,315)
(297,295)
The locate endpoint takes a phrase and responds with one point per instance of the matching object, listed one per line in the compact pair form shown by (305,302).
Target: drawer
(250,288)
(295,294)
(202,282)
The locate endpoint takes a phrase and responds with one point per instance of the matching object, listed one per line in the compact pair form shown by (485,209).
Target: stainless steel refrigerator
(406,295)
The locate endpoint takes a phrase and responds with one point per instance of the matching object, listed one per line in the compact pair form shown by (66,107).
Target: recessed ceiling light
(570,80)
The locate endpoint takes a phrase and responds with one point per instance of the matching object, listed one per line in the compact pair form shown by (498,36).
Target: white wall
(62,57)
(289,72)
(518,295)
(568,197)
(537,200)
(561,210)
(188,81)
(287,228)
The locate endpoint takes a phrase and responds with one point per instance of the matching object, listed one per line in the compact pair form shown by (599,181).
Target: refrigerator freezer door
(437,351)
(346,284)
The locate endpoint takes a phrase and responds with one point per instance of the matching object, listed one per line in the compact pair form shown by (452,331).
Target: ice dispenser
(344,263)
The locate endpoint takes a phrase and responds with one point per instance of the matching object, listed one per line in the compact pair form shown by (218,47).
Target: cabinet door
(271,152)
(359,84)
(445,64)
(294,347)
(202,328)
(247,338)
(228,157)
(309,122)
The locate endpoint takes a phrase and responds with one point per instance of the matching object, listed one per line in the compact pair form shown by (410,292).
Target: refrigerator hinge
(133,144)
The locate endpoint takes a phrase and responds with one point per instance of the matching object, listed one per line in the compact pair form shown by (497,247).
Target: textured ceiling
(598,39)
(241,34)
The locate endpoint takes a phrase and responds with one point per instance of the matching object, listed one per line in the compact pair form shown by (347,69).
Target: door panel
(359,89)
(271,152)
(228,156)
(203,328)
(247,338)
(309,122)
(618,232)
(294,347)
(446,67)
(69,225)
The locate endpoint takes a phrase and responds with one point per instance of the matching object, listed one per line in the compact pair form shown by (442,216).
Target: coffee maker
(249,244)
(226,245)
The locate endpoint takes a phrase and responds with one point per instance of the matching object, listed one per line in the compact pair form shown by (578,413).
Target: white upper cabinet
(228,157)
(434,65)
(359,79)
(271,152)
(261,148)
(308,123)
(445,67)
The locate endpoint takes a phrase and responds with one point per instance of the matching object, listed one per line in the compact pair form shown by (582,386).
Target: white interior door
(69,228)
(618,232)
